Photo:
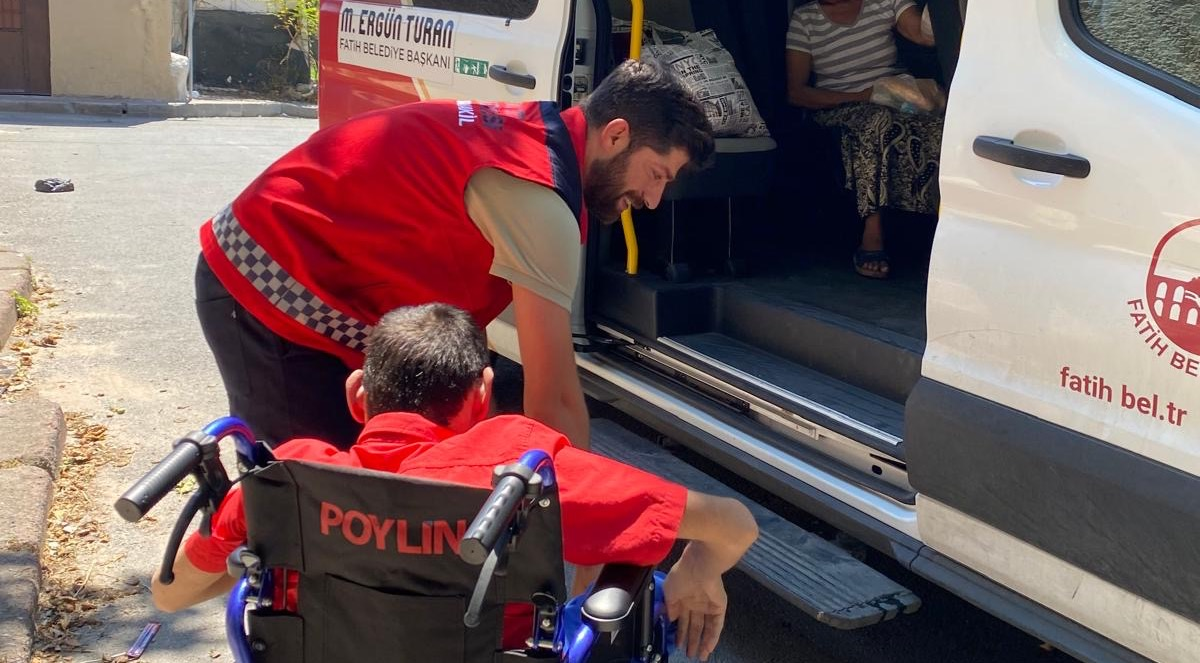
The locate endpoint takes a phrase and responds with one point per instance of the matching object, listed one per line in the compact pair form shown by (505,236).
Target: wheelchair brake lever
(471,617)
(195,503)
(205,522)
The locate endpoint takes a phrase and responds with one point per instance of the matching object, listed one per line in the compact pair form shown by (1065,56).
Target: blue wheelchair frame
(196,454)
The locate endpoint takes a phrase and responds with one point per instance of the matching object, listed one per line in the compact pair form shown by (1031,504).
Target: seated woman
(890,157)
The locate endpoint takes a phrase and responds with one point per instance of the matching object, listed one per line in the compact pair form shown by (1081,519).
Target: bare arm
(720,530)
(535,240)
(191,586)
(909,26)
(553,394)
(800,93)
(722,526)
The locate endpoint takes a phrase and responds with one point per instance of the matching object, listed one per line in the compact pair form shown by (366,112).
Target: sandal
(862,257)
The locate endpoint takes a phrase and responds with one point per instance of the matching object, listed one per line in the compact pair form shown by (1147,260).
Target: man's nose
(654,196)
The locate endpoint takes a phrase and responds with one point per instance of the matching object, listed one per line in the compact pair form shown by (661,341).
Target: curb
(14,277)
(25,494)
(148,108)
(32,435)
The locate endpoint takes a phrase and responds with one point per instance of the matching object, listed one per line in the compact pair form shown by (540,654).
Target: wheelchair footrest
(813,574)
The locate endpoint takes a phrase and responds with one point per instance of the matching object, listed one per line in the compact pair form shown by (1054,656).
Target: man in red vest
(473,204)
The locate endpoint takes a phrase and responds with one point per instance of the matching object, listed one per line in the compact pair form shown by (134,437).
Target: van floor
(896,303)
(810,327)
(798,309)
(807,260)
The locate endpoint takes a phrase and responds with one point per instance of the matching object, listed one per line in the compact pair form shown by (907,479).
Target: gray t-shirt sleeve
(797,34)
(533,233)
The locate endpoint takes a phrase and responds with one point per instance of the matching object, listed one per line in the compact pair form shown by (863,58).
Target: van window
(1164,34)
(516,9)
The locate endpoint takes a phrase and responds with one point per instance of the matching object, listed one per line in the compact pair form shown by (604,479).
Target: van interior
(745,288)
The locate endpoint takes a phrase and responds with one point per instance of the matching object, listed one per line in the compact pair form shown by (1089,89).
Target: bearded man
(473,204)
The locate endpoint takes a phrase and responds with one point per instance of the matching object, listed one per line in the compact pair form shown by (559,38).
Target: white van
(1020,421)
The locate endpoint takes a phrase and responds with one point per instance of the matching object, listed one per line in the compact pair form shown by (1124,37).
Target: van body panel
(1038,282)
(1127,520)
(1051,439)
(1122,616)
(388,52)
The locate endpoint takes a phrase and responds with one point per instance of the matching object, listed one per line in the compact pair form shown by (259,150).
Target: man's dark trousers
(281,389)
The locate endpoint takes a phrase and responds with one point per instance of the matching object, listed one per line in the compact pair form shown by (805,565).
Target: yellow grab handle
(635,34)
(631,245)
(635,52)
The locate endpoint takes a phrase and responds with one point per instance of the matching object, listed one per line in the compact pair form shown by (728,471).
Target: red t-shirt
(611,512)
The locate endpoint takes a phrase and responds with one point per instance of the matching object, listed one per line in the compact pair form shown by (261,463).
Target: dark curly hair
(662,113)
(423,359)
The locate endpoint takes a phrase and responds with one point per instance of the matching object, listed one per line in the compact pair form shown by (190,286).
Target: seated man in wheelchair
(423,396)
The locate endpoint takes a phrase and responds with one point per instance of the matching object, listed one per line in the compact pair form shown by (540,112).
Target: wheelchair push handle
(495,515)
(513,485)
(184,458)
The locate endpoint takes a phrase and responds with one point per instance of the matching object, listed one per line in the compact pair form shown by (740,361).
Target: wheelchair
(348,564)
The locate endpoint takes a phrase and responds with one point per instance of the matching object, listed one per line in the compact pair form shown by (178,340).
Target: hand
(696,600)
(934,95)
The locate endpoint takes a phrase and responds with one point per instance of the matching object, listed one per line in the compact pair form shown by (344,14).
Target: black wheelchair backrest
(380,578)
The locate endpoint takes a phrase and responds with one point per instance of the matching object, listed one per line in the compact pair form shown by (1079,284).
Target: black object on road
(53,185)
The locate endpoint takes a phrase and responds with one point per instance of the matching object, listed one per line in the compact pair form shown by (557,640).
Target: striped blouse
(848,58)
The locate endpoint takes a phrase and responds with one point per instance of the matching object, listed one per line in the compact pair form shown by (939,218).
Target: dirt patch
(30,335)
(71,594)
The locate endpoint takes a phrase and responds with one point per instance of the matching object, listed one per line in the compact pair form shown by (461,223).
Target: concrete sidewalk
(32,434)
(16,103)
(120,254)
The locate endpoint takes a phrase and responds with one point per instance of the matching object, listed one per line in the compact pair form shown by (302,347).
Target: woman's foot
(871,264)
(870,260)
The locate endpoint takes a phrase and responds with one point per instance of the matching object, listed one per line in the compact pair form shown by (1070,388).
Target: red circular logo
(1173,286)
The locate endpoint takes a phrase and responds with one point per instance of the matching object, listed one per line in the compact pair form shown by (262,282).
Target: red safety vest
(368,215)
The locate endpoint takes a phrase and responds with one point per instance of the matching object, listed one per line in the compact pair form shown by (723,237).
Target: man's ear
(614,137)
(483,394)
(356,396)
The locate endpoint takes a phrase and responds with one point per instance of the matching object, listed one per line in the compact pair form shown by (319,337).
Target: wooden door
(24,47)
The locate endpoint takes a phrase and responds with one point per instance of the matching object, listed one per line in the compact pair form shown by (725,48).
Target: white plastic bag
(908,94)
(179,76)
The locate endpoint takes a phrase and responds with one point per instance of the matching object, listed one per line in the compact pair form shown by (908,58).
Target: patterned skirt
(890,157)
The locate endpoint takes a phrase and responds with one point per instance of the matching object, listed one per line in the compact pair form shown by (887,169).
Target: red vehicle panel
(347,89)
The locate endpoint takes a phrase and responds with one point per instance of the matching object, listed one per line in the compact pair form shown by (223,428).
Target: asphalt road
(120,251)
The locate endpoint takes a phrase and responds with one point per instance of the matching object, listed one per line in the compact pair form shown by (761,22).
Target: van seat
(741,167)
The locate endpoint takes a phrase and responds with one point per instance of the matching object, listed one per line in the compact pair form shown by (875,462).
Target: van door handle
(501,73)
(1006,152)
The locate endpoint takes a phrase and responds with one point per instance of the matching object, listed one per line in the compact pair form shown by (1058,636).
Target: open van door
(1053,436)
(384,53)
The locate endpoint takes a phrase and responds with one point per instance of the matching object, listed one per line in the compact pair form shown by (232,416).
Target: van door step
(851,411)
(814,575)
